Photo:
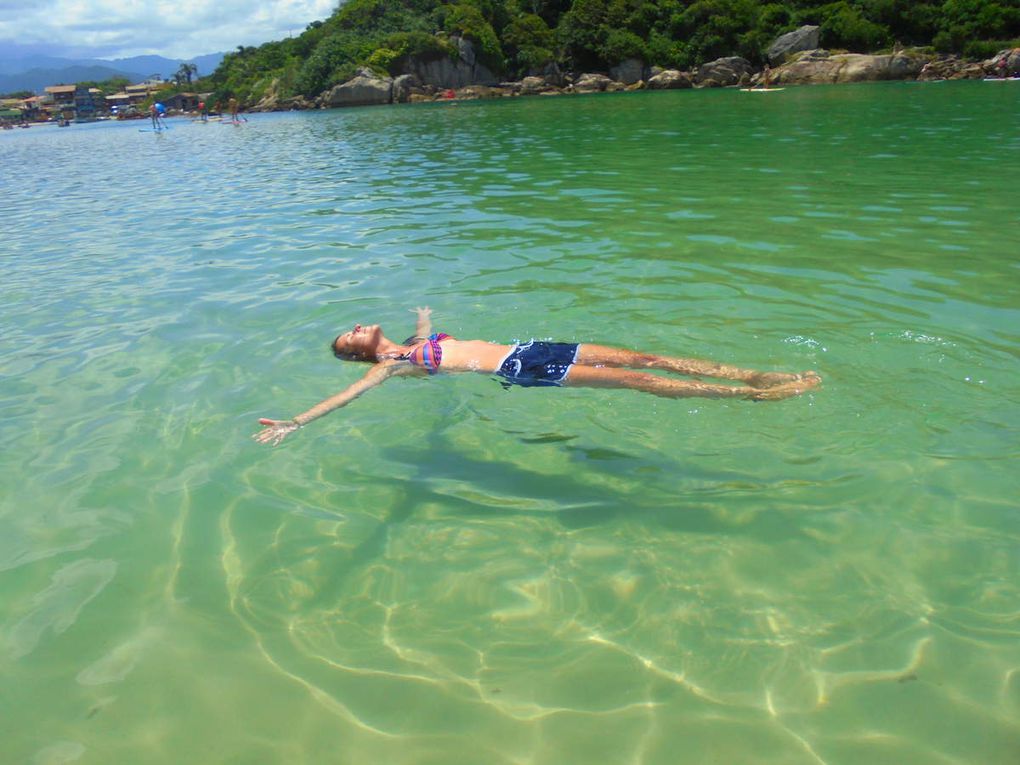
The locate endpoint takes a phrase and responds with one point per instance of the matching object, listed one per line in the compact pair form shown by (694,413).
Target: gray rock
(531,86)
(445,73)
(471,92)
(362,91)
(591,83)
(1012,58)
(550,73)
(950,68)
(723,71)
(465,50)
(628,72)
(404,86)
(903,67)
(805,38)
(670,79)
(849,67)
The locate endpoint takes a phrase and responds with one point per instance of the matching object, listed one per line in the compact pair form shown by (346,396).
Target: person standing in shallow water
(533,364)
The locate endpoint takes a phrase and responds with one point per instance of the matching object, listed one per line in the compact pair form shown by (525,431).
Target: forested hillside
(517,37)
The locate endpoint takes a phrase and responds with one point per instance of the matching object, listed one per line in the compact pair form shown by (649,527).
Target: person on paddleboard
(158,113)
(532,364)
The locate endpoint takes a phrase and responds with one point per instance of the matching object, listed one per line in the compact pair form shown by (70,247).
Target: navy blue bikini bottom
(537,363)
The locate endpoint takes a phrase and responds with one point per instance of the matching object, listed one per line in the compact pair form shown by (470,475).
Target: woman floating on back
(578,365)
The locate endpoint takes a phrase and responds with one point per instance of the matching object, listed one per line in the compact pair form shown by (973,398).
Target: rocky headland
(794,59)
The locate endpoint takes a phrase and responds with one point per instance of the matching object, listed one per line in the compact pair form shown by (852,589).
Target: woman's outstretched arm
(424,326)
(276,430)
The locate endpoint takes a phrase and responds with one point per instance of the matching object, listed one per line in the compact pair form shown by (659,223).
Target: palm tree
(186,72)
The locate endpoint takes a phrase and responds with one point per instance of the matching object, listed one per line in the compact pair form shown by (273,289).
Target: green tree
(621,44)
(844,26)
(716,28)
(529,43)
(582,32)
(468,21)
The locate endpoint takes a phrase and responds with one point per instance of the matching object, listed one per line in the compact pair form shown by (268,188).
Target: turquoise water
(446,572)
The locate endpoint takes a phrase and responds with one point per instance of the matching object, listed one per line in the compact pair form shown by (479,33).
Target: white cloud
(119,28)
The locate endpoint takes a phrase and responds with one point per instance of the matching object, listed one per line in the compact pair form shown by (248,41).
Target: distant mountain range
(35,72)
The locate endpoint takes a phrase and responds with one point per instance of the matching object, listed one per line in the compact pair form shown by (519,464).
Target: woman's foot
(778,391)
(771,379)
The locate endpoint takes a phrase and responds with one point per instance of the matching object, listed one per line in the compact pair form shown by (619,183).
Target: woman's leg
(583,376)
(604,356)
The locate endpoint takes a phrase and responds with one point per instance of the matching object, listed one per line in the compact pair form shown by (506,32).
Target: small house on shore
(182,102)
(62,95)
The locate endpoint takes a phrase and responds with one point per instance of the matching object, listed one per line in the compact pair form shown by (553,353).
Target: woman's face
(362,341)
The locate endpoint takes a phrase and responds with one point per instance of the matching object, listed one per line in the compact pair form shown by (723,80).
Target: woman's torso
(460,355)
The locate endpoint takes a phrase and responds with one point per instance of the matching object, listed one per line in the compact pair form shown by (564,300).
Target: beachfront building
(118,100)
(138,93)
(87,104)
(34,109)
(83,104)
(62,95)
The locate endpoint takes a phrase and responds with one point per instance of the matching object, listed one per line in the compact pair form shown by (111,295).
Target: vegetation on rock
(515,38)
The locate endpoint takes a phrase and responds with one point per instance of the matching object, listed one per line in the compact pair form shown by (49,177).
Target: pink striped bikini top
(428,355)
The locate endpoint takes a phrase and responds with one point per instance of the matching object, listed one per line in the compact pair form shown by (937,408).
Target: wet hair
(346,355)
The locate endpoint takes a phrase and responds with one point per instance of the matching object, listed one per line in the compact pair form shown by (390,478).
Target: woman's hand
(275,431)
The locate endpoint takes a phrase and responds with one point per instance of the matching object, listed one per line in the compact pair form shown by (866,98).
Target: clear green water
(447,572)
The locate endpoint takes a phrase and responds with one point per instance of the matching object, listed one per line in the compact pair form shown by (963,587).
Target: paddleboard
(1002,79)
(761,90)
(152,130)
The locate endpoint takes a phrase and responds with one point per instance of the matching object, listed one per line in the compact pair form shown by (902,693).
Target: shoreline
(808,67)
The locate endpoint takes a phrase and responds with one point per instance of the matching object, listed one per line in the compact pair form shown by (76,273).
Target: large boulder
(272,101)
(1005,61)
(950,68)
(404,86)
(724,71)
(472,92)
(552,74)
(805,38)
(591,83)
(1013,60)
(815,69)
(445,72)
(628,72)
(532,86)
(365,89)
(670,79)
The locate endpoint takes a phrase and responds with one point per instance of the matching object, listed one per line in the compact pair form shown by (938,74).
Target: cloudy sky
(179,29)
